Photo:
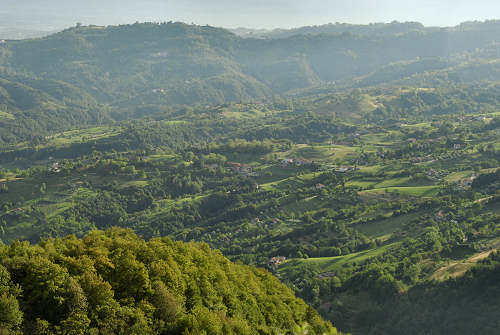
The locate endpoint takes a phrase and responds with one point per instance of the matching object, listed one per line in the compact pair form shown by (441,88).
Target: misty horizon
(56,15)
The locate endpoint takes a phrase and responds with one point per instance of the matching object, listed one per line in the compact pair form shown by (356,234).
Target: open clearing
(333,263)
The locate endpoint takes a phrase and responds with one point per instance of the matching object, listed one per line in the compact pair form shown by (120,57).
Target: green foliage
(460,306)
(11,315)
(115,282)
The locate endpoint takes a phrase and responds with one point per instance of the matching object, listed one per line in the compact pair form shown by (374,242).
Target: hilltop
(115,283)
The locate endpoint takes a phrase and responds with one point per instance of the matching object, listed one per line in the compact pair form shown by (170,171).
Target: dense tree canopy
(115,283)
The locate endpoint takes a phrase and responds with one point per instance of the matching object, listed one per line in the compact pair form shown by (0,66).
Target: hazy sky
(56,14)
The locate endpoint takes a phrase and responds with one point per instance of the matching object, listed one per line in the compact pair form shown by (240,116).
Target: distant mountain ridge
(118,69)
(371,29)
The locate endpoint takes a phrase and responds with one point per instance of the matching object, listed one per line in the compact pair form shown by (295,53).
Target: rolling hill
(90,75)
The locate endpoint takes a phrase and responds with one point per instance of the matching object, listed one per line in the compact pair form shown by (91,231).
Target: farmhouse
(463,184)
(439,215)
(434,175)
(55,167)
(240,168)
(344,169)
(286,162)
(277,260)
(320,186)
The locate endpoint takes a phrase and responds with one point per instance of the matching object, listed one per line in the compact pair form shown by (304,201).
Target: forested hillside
(91,75)
(115,283)
(466,305)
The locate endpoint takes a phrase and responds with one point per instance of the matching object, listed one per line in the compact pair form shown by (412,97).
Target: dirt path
(481,256)
(481,200)
(457,269)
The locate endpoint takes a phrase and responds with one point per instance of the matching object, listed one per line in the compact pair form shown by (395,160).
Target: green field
(385,228)
(328,264)
(84,135)
(416,191)
(8,116)
(454,177)
(322,153)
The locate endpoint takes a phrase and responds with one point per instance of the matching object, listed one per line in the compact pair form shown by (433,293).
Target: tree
(166,304)
(11,316)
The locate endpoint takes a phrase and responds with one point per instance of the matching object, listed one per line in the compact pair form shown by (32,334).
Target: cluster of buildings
(243,169)
(247,170)
(472,118)
(435,175)
(295,162)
